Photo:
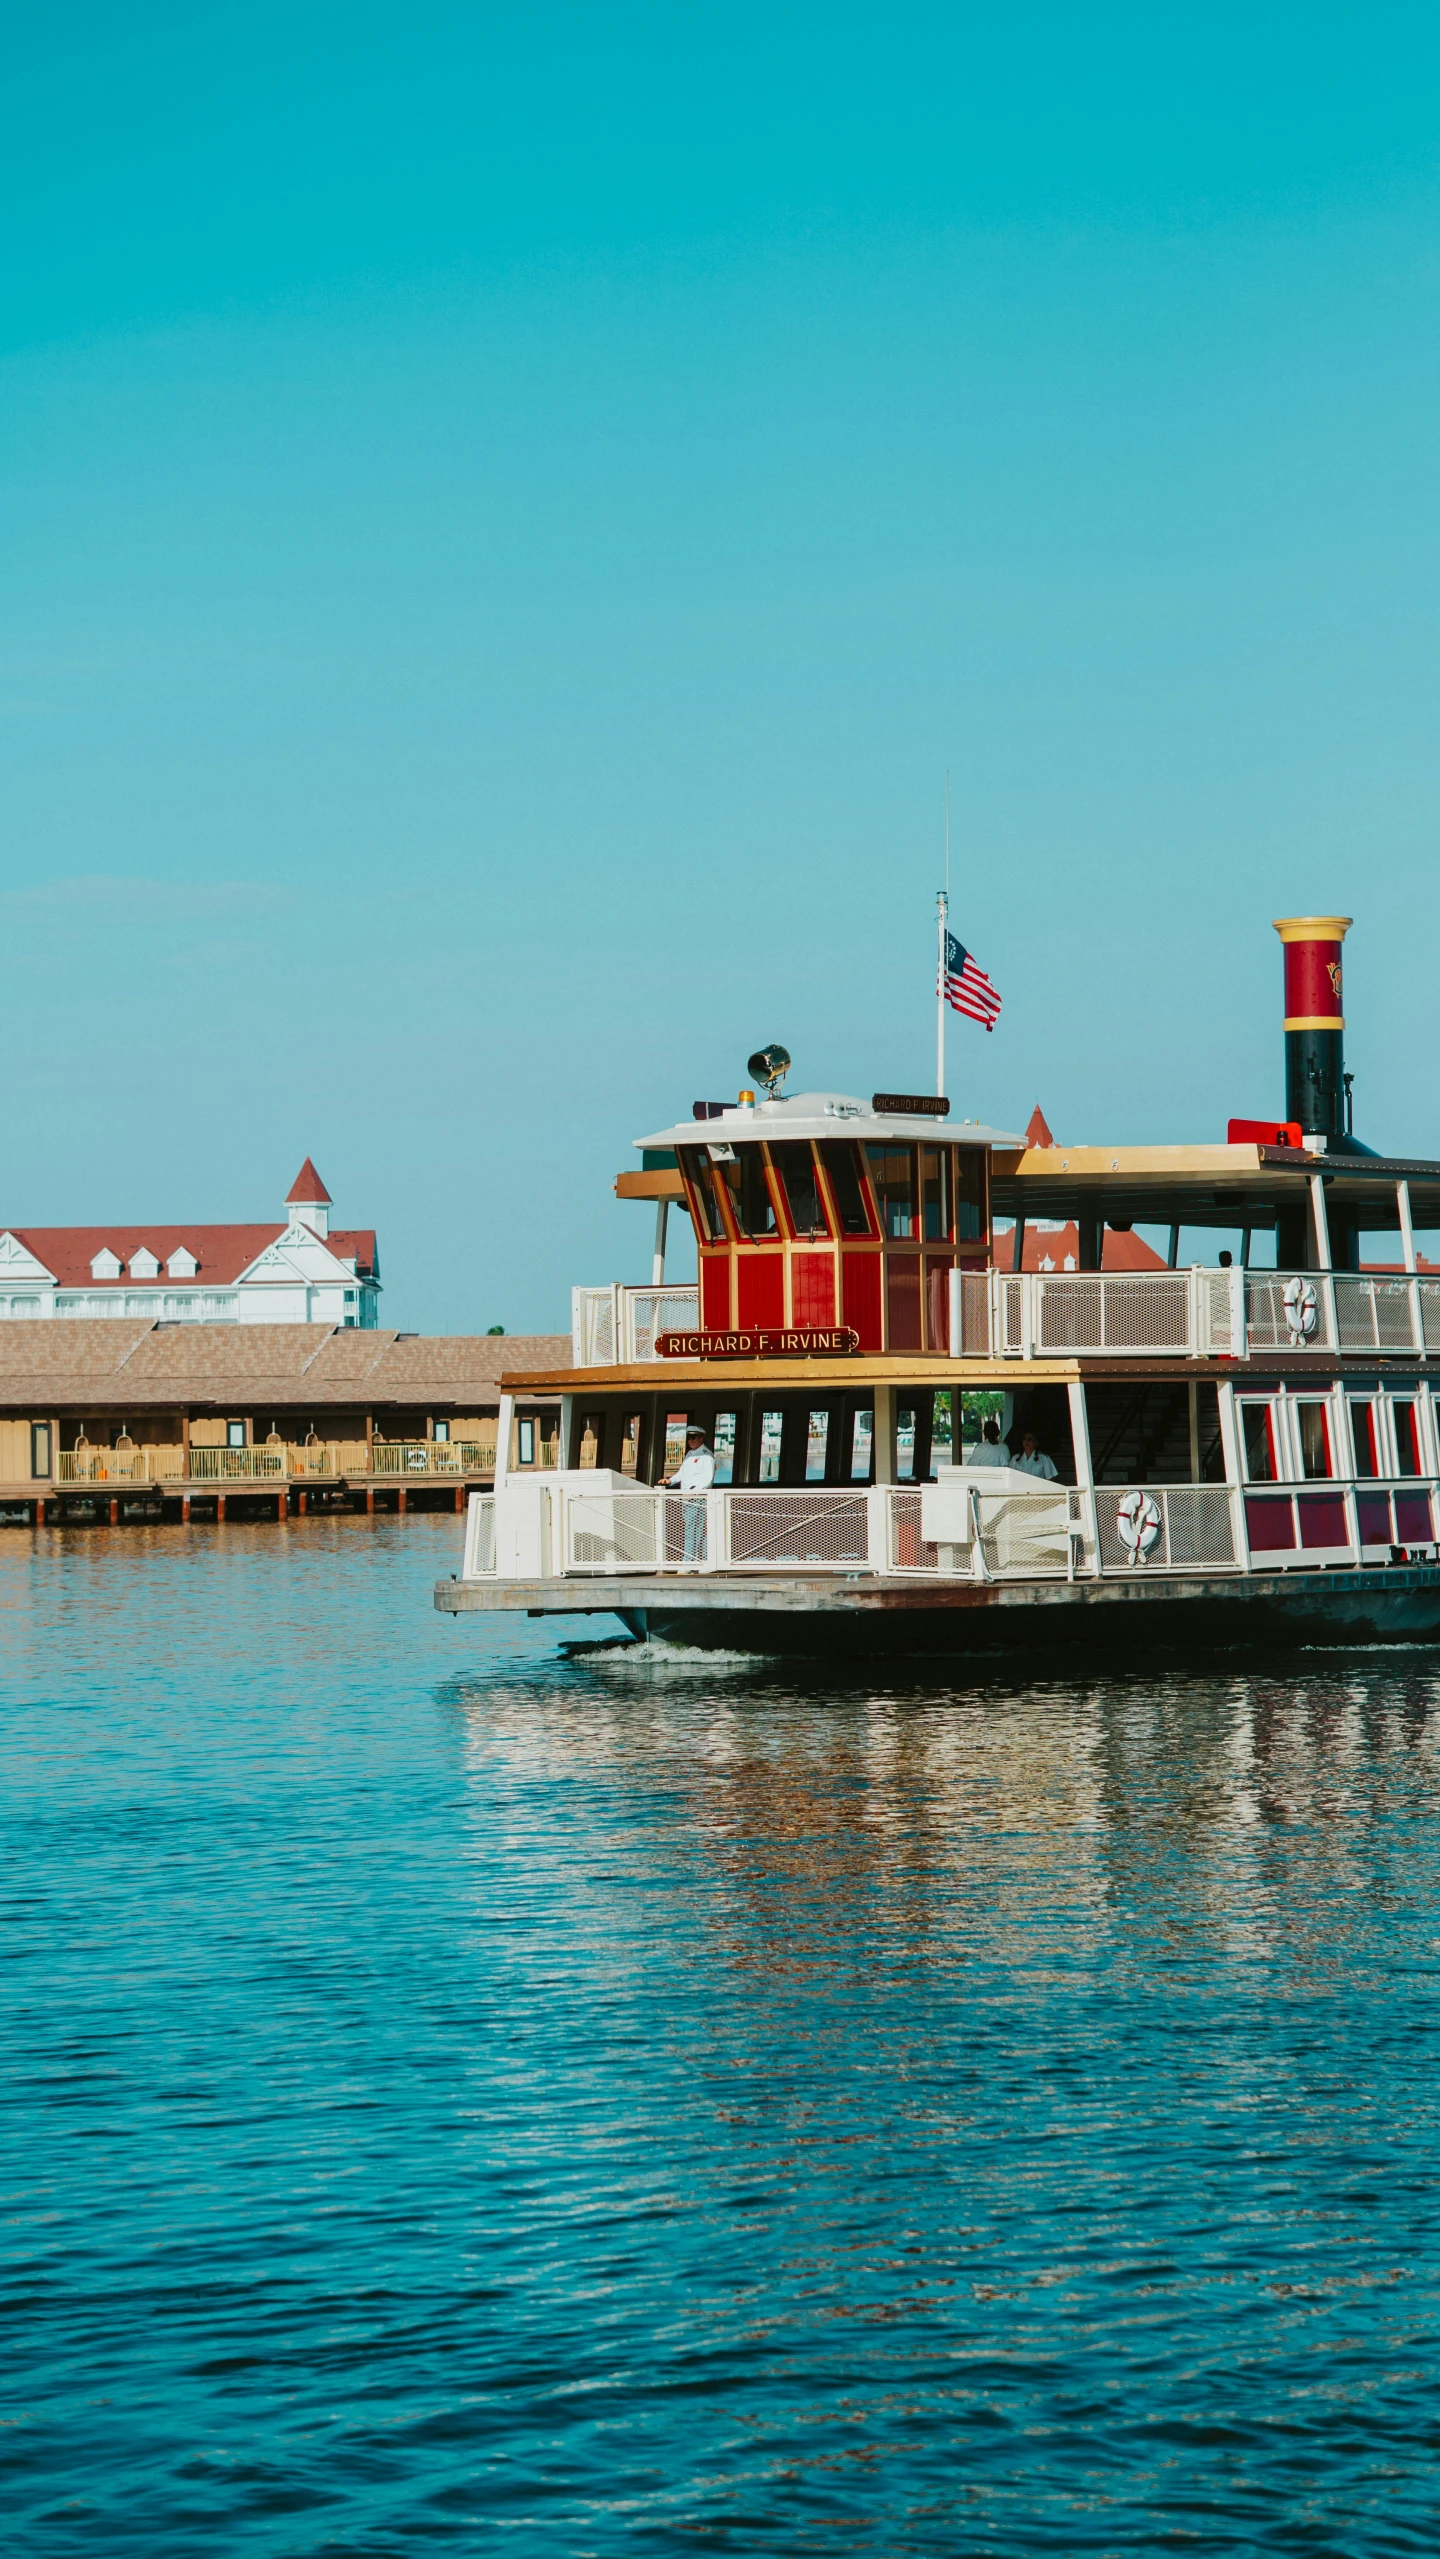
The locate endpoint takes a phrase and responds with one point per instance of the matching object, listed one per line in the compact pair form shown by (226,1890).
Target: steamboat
(917,1433)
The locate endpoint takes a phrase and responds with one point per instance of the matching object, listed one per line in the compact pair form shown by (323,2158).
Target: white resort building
(295,1273)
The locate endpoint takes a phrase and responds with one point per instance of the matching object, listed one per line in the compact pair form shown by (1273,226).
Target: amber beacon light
(1314,1021)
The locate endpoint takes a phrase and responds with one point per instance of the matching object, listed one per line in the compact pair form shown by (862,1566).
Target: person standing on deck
(692,1480)
(1033,1461)
(993,1450)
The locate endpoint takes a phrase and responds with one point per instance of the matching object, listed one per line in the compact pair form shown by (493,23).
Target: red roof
(1047,1248)
(306,1188)
(1038,1132)
(222,1252)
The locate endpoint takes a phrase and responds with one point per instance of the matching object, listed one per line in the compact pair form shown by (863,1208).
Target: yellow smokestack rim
(1313,928)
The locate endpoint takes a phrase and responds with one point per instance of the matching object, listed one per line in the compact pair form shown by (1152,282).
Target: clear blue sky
(509,513)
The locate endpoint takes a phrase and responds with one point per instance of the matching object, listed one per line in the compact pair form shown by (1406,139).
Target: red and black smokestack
(1314,1022)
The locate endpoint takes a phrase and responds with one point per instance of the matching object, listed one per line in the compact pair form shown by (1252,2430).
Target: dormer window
(144,1264)
(182,1263)
(105,1264)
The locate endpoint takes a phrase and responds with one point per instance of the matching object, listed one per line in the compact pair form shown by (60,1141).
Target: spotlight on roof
(769,1066)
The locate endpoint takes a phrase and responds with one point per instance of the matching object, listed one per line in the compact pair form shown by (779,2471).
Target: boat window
(841,1162)
(674,1442)
(942,1429)
(817,1439)
(1257,1423)
(1362,1432)
(892,1173)
(723,1445)
(1314,1440)
(750,1201)
(630,1445)
(1407,1439)
(795,1164)
(935,1199)
(592,1437)
(862,1444)
(772,1431)
(905,1444)
(701,1175)
(969,1193)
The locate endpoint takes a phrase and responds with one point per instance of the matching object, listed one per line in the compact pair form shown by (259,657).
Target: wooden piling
(282,1503)
(301,1498)
(185,1509)
(114,1510)
(369,1501)
(400,1501)
(219,1506)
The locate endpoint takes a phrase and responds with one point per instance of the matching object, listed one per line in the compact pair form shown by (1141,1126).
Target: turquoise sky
(508,515)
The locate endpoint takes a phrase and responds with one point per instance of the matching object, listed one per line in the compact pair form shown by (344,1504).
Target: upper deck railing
(1192,1314)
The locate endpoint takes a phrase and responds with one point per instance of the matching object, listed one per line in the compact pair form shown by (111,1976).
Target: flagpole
(942,922)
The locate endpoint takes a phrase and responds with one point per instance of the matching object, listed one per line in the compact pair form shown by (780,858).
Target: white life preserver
(1302,1312)
(1137,1516)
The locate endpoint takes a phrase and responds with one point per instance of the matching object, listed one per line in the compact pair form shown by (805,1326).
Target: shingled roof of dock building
(140,1364)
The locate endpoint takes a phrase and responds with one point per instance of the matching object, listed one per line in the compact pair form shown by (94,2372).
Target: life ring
(1302,1311)
(1138,1518)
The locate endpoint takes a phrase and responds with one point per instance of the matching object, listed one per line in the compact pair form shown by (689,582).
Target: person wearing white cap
(692,1480)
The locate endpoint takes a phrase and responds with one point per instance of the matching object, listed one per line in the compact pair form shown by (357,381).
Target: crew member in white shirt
(692,1481)
(993,1450)
(1033,1461)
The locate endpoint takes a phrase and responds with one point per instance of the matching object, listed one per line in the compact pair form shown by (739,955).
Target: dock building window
(842,1165)
(795,1164)
(39,1449)
(234,1434)
(892,1175)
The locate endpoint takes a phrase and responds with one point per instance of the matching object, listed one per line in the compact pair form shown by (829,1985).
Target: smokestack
(1314,1022)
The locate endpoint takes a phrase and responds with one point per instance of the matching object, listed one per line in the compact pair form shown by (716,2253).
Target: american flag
(966,986)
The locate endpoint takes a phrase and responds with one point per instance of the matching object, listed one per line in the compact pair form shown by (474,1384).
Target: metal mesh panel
(1266,1319)
(620,1532)
(909,1551)
(480,1537)
(1218,1315)
(1068,1315)
(1430,1312)
(649,1311)
(798,1528)
(975,1314)
(1394,1319)
(1012,1313)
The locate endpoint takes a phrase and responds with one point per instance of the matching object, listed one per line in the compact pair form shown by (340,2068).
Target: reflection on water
(624,2103)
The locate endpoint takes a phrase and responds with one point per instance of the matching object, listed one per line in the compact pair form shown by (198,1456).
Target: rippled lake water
(456,2095)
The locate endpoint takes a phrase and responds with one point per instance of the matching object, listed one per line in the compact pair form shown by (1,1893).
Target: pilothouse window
(935,1193)
(838,1156)
(750,1199)
(700,1173)
(892,1173)
(795,1164)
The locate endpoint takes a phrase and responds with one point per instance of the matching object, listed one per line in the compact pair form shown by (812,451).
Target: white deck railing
(1193,1314)
(1055,1533)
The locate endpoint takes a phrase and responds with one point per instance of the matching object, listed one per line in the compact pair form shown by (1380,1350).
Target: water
(457,2097)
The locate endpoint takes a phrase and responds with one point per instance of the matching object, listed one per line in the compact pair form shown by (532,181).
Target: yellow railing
(324,1461)
(432,1457)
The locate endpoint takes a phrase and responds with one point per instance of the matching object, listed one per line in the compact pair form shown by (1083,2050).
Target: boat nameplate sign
(915,1106)
(784,1341)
